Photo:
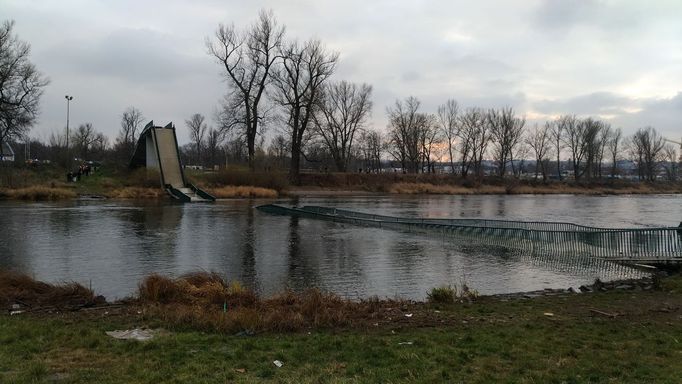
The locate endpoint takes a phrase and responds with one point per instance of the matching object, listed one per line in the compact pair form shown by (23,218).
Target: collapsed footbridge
(624,245)
(157,148)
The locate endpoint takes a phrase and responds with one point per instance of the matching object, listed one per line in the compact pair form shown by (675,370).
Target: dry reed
(205,301)
(231,191)
(18,288)
(38,193)
(136,193)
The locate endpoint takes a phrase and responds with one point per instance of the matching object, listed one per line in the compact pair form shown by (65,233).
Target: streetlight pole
(68,155)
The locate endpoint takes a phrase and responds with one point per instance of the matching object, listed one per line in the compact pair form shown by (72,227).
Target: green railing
(534,237)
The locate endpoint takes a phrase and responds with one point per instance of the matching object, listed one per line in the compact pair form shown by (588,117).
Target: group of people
(84,169)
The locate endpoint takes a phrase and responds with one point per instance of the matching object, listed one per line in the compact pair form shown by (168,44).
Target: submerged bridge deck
(631,245)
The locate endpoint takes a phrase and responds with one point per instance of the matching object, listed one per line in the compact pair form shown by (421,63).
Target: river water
(111,245)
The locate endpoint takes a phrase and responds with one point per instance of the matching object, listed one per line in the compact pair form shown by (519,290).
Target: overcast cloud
(618,60)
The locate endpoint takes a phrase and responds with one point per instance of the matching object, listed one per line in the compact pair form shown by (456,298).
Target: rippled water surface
(112,244)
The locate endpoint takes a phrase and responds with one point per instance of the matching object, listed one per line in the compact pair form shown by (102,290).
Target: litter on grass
(132,334)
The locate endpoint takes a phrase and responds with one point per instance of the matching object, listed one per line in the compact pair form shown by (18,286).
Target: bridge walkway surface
(157,148)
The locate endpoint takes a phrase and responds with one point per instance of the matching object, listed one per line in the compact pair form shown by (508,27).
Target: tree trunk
(295,169)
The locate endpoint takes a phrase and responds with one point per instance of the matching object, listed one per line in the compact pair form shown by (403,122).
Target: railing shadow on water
(563,245)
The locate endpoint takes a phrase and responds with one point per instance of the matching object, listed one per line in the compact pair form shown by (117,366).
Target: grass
(489,340)
(448,294)
(275,180)
(47,183)
(136,193)
(38,193)
(242,191)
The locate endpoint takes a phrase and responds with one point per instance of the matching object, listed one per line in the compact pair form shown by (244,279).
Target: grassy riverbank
(616,336)
(49,184)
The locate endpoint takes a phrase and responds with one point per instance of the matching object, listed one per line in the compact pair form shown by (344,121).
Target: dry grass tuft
(426,188)
(197,288)
(137,193)
(18,288)
(231,191)
(205,301)
(38,193)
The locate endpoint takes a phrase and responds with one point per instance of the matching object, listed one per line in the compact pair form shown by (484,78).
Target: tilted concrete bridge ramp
(157,148)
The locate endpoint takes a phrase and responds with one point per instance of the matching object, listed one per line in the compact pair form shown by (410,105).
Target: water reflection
(114,244)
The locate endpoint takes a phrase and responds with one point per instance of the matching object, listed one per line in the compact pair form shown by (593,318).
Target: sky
(616,60)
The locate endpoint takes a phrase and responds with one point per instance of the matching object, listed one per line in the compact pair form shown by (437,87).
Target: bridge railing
(534,237)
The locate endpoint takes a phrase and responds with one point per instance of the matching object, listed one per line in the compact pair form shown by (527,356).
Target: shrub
(445,294)
(20,288)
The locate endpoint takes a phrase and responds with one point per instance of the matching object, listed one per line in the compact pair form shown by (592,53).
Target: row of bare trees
(271,79)
(465,138)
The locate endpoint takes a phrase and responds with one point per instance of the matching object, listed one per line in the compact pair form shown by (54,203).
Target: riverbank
(47,184)
(615,336)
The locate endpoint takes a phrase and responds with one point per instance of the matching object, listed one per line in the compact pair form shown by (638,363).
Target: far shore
(47,184)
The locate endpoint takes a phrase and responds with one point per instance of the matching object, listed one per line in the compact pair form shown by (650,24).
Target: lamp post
(68,155)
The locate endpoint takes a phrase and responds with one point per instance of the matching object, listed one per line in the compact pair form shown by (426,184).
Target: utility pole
(68,154)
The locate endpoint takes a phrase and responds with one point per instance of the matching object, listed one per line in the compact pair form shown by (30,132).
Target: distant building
(6,152)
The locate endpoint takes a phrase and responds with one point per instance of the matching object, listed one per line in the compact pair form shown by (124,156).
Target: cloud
(619,59)
(664,114)
(593,104)
(132,55)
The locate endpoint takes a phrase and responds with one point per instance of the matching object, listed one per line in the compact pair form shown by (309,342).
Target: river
(111,244)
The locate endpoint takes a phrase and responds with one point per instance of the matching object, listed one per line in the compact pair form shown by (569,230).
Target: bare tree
(214,140)
(430,137)
(506,132)
(448,121)
(371,148)
(669,162)
(278,150)
(247,58)
(574,139)
(475,135)
(591,132)
(539,142)
(235,150)
(83,139)
(647,146)
(197,131)
(21,85)
(343,111)
(556,134)
(131,121)
(405,132)
(614,148)
(304,70)
(602,143)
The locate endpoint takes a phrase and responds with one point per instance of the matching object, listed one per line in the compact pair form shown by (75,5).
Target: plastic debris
(548,314)
(408,315)
(12,313)
(240,370)
(406,343)
(278,363)
(132,334)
